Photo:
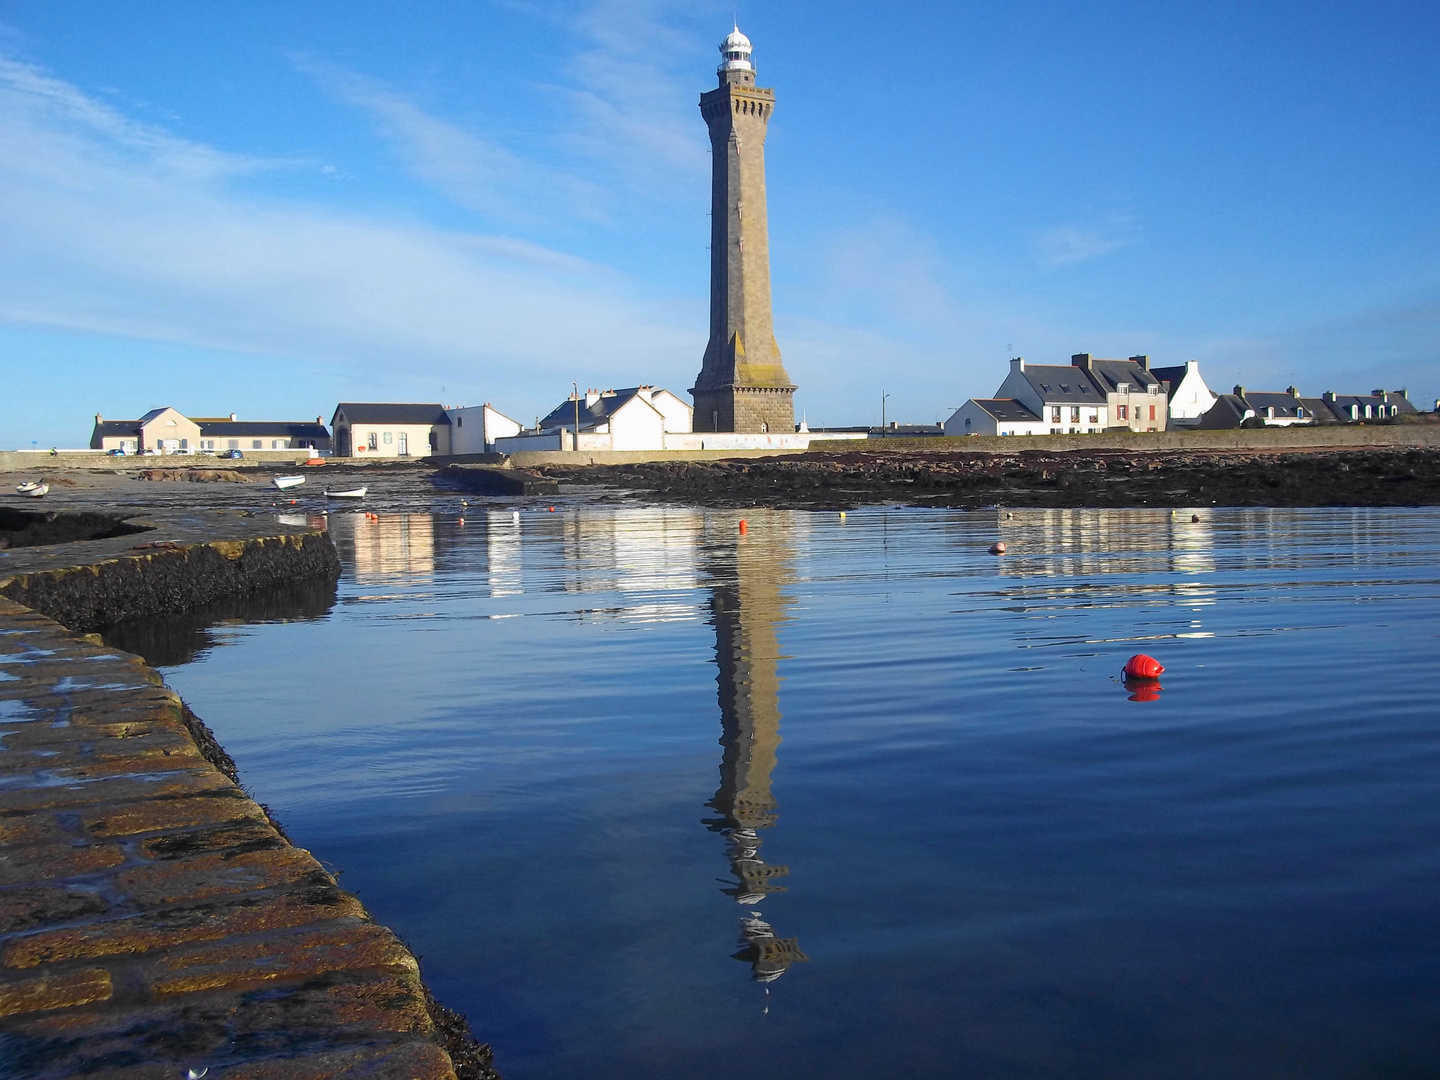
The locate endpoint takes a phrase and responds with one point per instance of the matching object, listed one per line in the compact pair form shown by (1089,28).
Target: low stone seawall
(1325,436)
(154,919)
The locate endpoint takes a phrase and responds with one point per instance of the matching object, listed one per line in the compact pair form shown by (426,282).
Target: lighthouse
(742,385)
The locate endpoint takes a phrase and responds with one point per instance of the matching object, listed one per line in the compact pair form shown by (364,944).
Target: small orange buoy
(743,526)
(462,521)
(552,509)
(1141,666)
(292,502)
(998,548)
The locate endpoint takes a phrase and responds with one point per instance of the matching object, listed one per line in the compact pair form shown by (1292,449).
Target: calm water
(852,798)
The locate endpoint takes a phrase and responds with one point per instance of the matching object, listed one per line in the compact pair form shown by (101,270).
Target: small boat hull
(355,493)
(284,483)
(36,491)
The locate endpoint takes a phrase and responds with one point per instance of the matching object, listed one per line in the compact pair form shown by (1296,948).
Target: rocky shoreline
(1375,476)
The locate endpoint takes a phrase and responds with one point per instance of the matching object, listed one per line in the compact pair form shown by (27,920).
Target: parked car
(118,451)
(230,454)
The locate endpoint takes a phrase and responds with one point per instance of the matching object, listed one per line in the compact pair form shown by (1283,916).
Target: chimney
(1404,394)
(232,417)
(1143,361)
(1293,392)
(1328,397)
(1017,363)
(1239,390)
(318,420)
(1082,361)
(97,419)
(591,396)
(1378,393)
(1191,365)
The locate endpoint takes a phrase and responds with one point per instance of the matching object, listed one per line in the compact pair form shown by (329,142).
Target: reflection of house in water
(747,606)
(504,566)
(395,544)
(646,554)
(1076,543)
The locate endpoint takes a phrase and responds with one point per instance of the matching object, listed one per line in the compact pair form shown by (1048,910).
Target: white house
(1190,398)
(995,416)
(636,418)
(1065,398)
(474,428)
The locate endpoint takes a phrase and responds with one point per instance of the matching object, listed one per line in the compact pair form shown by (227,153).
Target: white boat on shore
(285,482)
(353,493)
(34,489)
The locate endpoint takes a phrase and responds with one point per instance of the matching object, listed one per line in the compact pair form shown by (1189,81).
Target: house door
(404,444)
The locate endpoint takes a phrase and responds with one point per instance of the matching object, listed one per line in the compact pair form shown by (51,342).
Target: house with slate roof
(374,429)
(995,416)
(1063,396)
(636,418)
(168,431)
(1376,405)
(1135,397)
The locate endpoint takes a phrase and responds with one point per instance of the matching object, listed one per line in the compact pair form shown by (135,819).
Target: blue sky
(267,208)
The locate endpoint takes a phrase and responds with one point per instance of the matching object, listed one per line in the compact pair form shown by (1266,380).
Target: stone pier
(153,919)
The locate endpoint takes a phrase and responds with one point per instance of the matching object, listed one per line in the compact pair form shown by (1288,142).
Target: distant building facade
(372,429)
(742,385)
(1189,398)
(1287,408)
(636,418)
(474,428)
(1084,397)
(168,431)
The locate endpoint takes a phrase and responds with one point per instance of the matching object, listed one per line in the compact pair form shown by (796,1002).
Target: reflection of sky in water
(520,742)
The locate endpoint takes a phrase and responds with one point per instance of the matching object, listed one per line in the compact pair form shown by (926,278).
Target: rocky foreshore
(1073,478)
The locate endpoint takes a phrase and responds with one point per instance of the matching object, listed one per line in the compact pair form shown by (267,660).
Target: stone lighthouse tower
(742,384)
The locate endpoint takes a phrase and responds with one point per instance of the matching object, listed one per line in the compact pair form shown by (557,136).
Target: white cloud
(1068,244)
(474,172)
(119,228)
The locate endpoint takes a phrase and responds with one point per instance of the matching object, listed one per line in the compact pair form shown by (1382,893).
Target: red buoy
(743,525)
(1141,666)
(998,548)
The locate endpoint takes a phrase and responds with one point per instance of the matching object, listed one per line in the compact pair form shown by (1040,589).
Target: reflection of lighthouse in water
(747,606)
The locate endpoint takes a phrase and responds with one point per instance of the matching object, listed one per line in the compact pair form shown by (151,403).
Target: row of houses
(1087,396)
(1091,395)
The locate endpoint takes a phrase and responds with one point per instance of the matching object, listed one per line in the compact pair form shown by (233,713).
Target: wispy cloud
(1068,244)
(123,229)
(473,171)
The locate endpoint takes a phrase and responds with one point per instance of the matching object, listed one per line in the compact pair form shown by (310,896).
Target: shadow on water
(179,637)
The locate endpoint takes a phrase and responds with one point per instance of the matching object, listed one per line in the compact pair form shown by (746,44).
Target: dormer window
(1045,387)
(1122,388)
(1064,388)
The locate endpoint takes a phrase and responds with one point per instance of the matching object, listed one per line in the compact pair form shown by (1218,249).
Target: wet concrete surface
(153,919)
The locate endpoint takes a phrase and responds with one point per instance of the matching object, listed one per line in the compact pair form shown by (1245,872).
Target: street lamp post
(883,398)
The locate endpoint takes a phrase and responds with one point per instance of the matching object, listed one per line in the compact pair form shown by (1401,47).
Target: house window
(1094,418)
(459,421)
(1299,413)
(1122,412)
(277,444)
(184,444)
(389,436)
(1055,417)
(1367,412)
(1055,430)
(1074,414)
(374,441)
(967,423)
(764,428)
(207,444)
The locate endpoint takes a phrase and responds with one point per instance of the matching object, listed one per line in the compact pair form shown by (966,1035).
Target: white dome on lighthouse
(736,52)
